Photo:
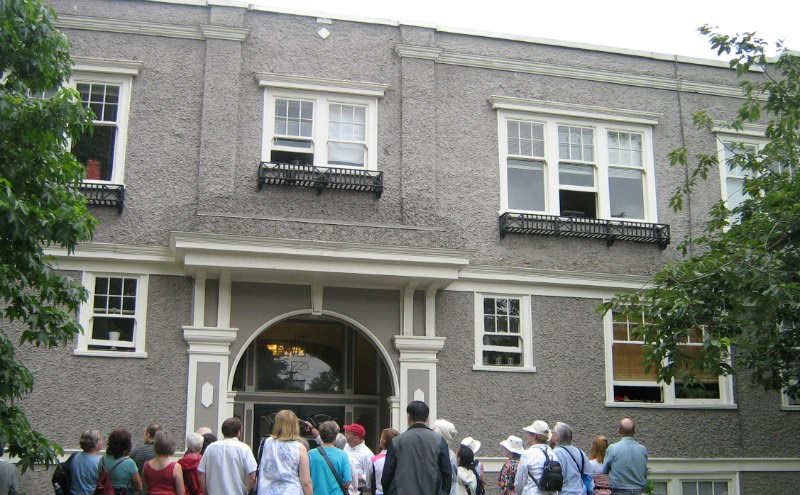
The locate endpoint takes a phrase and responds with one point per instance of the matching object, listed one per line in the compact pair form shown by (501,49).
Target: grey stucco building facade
(341,216)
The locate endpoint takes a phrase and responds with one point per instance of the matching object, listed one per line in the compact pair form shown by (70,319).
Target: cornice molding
(570,72)
(107,65)
(574,110)
(224,32)
(146,28)
(286,81)
(423,52)
(752,130)
(181,241)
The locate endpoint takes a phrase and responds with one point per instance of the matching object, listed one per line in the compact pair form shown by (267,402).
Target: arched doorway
(320,367)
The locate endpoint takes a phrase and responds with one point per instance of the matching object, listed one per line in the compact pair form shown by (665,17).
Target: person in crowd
(597,455)
(208,439)
(163,476)
(341,444)
(83,468)
(284,468)
(121,469)
(322,478)
(532,460)
(228,466)
(203,430)
(448,431)
(143,453)
(379,459)
(513,449)
(474,446)
(574,461)
(626,461)
(466,477)
(417,461)
(9,478)
(189,463)
(360,455)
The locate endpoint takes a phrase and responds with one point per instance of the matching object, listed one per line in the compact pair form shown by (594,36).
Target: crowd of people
(300,458)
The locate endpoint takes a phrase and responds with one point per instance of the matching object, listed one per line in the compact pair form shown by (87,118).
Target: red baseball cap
(357,429)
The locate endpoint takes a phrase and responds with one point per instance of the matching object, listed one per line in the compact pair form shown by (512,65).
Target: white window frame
(786,403)
(125,83)
(86,316)
(601,161)
(525,333)
(319,138)
(724,143)
(725,400)
(675,481)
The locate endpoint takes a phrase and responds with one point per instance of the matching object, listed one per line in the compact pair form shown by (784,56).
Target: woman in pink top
(162,476)
(378,460)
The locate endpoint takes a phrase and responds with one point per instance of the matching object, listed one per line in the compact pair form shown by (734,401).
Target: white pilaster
(418,354)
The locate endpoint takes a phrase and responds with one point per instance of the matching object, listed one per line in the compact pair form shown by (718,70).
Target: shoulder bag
(342,485)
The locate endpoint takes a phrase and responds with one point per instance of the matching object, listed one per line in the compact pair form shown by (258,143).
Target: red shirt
(160,482)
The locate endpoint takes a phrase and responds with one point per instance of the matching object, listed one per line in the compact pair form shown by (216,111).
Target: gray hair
(564,433)
(194,442)
(340,441)
(328,430)
(89,440)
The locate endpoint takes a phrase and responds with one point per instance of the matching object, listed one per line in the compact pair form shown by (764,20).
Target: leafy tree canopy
(739,280)
(40,206)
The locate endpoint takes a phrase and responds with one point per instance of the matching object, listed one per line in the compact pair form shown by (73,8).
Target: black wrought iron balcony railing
(104,194)
(320,178)
(590,228)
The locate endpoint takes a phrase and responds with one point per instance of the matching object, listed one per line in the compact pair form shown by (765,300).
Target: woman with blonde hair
(597,455)
(284,460)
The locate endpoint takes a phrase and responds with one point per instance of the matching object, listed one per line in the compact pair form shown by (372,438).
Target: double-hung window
(114,317)
(628,383)
(503,332)
(732,175)
(103,150)
(574,165)
(320,122)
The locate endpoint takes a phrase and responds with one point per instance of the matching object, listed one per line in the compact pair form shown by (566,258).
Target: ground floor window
(114,318)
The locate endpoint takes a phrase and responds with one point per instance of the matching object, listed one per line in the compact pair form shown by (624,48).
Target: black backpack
(552,478)
(62,479)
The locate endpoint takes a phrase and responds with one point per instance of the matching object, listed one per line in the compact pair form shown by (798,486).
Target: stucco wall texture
(195,139)
(569,386)
(192,159)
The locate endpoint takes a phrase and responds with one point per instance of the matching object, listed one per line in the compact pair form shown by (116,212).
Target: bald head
(626,427)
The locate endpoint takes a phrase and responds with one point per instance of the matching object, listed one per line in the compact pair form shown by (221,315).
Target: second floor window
(580,169)
(304,128)
(103,150)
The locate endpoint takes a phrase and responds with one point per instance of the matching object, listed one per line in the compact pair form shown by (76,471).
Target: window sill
(643,405)
(114,354)
(790,408)
(504,369)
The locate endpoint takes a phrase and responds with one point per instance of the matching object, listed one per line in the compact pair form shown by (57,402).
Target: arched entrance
(320,367)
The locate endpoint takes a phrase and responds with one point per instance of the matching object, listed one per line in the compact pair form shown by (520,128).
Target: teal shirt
(321,476)
(626,464)
(121,476)
(83,470)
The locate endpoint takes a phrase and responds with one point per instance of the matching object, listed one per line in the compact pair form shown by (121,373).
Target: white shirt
(361,460)
(532,461)
(226,465)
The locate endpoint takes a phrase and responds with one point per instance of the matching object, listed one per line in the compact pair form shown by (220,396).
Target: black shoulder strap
(573,459)
(333,470)
(546,458)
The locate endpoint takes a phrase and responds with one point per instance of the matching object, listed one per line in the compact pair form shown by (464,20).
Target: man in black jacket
(418,461)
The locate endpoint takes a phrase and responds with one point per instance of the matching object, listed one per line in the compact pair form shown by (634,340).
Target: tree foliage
(40,206)
(739,280)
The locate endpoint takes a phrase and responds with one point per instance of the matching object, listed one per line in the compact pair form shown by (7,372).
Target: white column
(418,370)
